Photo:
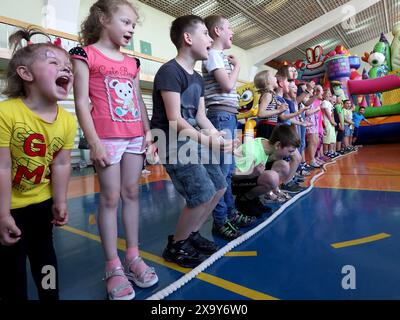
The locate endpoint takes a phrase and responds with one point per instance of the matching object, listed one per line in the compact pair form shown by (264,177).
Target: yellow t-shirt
(33,144)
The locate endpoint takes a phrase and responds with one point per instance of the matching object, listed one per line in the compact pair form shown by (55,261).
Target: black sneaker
(241,220)
(264,208)
(202,244)
(228,231)
(292,187)
(252,207)
(182,253)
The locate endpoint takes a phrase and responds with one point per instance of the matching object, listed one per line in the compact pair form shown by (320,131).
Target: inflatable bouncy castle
(383,84)
(378,89)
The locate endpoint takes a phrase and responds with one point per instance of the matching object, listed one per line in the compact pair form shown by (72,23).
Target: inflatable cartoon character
(248,101)
(395,47)
(314,69)
(378,59)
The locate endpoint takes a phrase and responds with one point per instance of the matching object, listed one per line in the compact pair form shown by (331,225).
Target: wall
(25,10)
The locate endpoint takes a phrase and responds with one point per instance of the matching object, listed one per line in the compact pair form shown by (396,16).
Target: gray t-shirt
(172,77)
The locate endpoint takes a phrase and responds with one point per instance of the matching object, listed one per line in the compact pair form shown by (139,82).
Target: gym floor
(350,218)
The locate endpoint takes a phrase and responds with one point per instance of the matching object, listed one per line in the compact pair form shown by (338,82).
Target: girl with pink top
(312,132)
(118,132)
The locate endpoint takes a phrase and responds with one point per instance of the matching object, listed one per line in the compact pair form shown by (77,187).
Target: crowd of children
(292,122)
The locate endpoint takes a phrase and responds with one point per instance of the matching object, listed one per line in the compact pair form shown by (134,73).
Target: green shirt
(250,154)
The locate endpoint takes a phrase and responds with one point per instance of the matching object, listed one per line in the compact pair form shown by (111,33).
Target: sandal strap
(117,271)
(119,288)
(138,259)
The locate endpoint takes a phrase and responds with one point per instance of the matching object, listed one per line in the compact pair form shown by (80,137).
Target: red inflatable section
(382,84)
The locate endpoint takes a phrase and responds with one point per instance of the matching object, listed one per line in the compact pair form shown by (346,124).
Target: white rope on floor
(234,243)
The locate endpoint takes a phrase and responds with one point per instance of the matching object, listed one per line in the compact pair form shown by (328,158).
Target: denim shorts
(197,183)
(348,132)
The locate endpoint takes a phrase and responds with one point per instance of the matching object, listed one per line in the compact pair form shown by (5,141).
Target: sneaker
(202,244)
(183,253)
(292,187)
(272,198)
(241,220)
(228,231)
(298,178)
(251,207)
(315,164)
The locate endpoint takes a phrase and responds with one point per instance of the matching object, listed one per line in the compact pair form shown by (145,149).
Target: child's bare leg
(212,204)
(267,181)
(190,219)
(109,178)
(294,162)
(282,167)
(131,168)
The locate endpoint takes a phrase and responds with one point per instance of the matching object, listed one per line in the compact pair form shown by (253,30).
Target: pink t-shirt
(116,112)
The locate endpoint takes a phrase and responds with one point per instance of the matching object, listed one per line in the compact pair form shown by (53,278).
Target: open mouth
(246,107)
(63,82)
(127,38)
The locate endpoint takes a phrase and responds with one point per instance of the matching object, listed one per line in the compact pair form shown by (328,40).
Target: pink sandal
(113,294)
(146,279)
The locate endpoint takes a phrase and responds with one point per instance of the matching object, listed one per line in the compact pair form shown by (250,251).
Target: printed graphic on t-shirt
(190,101)
(32,156)
(122,99)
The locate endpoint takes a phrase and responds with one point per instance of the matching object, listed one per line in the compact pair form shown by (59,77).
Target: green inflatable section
(389,110)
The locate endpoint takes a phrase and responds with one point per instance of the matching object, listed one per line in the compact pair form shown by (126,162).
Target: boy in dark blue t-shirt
(178,113)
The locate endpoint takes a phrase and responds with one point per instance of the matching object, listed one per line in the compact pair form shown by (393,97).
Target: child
(178,108)
(338,116)
(36,138)
(220,74)
(348,125)
(268,108)
(312,132)
(358,117)
(329,137)
(260,166)
(118,131)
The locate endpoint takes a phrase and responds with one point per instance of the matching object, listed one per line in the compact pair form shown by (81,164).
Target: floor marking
(356,242)
(219,282)
(241,254)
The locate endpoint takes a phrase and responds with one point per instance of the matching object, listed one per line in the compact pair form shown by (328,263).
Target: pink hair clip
(57,42)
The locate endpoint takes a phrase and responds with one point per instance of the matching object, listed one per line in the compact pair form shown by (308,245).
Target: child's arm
(202,120)
(7,223)
(172,102)
(228,81)
(262,107)
(287,116)
(143,112)
(309,87)
(81,93)
(310,112)
(60,172)
(205,124)
(347,120)
(370,123)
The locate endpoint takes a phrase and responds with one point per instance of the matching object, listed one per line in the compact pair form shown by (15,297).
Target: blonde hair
(261,81)
(211,22)
(91,27)
(24,56)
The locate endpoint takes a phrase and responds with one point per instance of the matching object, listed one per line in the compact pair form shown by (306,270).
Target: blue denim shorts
(348,132)
(197,183)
